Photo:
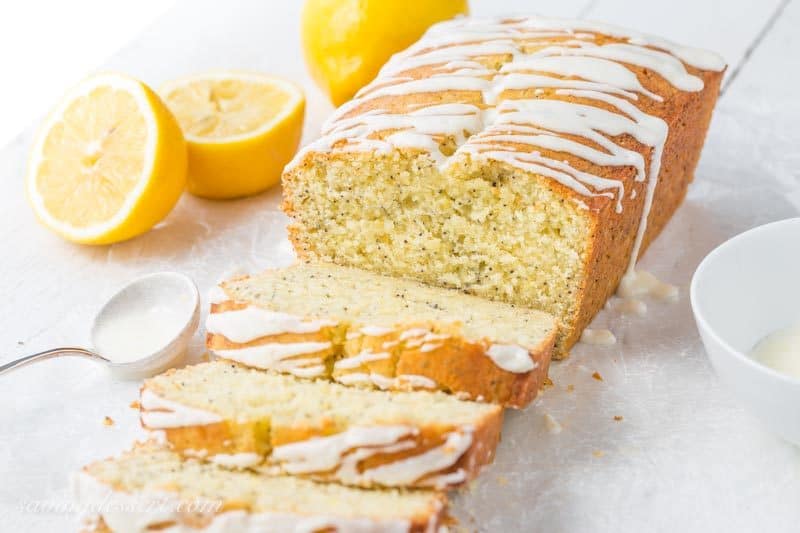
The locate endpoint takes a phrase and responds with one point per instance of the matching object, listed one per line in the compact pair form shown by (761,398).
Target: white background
(686,457)
(49,45)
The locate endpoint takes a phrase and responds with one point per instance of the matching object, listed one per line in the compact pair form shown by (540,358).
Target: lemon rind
(88,233)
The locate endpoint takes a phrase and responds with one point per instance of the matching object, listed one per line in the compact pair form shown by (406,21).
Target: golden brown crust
(457,365)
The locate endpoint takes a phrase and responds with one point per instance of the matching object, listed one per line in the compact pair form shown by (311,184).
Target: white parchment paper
(683,457)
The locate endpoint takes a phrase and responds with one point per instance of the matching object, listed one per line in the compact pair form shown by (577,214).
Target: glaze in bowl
(745,289)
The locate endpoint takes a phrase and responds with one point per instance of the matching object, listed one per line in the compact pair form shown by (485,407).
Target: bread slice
(358,328)
(530,160)
(240,417)
(151,488)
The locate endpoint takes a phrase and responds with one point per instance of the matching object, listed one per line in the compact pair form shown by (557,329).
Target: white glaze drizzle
(375,331)
(253,322)
(562,50)
(401,382)
(236,460)
(411,469)
(643,283)
(323,454)
(310,371)
(281,357)
(427,339)
(442,481)
(780,350)
(413,332)
(355,361)
(414,381)
(343,453)
(511,358)
(636,284)
(600,337)
(159,413)
(429,347)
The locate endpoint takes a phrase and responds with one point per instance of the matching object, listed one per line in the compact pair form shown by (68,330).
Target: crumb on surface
(597,376)
(108,421)
(570,388)
(618,418)
(134,404)
(552,424)
(502,481)
(598,453)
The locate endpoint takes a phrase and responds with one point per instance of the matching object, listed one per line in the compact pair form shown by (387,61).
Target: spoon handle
(49,354)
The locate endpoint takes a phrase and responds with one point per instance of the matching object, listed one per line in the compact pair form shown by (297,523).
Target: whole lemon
(347,41)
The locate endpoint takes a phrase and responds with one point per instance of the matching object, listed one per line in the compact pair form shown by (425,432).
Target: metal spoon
(169,289)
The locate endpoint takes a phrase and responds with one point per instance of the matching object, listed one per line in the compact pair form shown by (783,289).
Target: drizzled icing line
(401,382)
(355,361)
(281,357)
(159,413)
(343,454)
(253,322)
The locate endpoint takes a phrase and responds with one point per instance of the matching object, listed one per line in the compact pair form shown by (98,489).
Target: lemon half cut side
(109,162)
(242,128)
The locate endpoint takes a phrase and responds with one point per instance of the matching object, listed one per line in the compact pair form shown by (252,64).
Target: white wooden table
(685,457)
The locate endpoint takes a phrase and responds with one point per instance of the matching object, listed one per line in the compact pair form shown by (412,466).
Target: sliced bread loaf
(240,417)
(152,488)
(363,329)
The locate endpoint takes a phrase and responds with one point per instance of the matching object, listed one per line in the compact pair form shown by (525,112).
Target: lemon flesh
(109,164)
(241,129)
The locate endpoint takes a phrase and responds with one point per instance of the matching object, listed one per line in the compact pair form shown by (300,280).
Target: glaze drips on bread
(529,160)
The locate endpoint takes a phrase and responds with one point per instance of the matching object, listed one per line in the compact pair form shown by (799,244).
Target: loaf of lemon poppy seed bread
(528,160)
(322,321)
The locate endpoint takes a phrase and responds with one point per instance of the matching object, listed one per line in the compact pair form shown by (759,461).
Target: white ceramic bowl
(745,289)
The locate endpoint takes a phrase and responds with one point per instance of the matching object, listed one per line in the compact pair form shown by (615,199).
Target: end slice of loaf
(240,417)
(358,328)
(152,488)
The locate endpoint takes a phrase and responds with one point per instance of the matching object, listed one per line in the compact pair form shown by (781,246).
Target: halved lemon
(241,128)
(109,163)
